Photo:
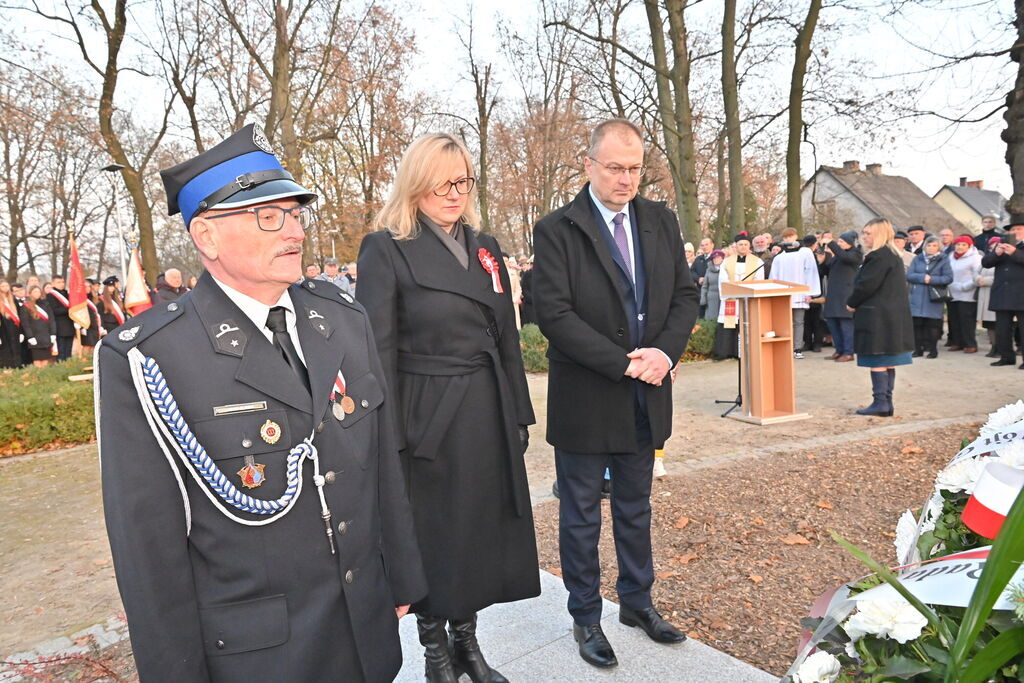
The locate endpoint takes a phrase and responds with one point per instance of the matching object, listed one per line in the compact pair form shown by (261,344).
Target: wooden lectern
(767,378)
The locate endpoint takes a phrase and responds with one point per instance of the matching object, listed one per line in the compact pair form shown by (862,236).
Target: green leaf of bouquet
(883,572)
(939,654)
(904,667)
(1000,650)
(1003,560)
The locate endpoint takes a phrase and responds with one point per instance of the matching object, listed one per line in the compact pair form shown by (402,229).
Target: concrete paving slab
(532,640)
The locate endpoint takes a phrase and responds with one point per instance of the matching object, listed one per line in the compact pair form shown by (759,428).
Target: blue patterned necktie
(622,243)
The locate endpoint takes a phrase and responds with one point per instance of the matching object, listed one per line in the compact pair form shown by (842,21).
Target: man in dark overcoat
(59,304)
(614,296)
(253,495)
(1007,296)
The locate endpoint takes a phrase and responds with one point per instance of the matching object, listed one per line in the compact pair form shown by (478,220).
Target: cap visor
(269,191)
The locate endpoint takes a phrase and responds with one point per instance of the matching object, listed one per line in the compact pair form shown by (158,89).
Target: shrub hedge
(535,346)
(40,407)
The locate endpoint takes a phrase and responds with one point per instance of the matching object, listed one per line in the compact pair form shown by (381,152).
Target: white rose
(896,619)
(931,513)
(906,538)
(961,476)
(1004,417)
(821,667)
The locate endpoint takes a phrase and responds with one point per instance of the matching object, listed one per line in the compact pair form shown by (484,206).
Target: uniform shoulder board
(140,327)
(331,292)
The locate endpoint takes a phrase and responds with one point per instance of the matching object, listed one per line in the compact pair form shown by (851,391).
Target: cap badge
(259,138)
(270,432)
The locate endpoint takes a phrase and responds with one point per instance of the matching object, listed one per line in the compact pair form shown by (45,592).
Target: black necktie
(277,324)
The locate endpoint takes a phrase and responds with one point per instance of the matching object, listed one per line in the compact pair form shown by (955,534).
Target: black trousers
(64,346)
(1009,327)
(815,328)
(580,478)
(963,324)
(926,333)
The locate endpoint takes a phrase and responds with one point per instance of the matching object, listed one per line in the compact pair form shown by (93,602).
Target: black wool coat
(451,356)
(842,271)
(65,326)
(882,321)
(1008,284)
(580,306)
(209,598)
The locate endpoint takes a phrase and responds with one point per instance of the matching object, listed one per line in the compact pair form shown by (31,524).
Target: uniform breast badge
(344,405)
(270,432)
(252,474)
(490,264)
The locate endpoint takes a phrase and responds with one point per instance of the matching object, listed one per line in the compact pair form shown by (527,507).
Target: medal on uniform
(344,405)
(252,473)
(270,432)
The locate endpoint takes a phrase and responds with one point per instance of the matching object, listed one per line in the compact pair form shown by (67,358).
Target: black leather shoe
(594,647)
(1003,361)
(656,628)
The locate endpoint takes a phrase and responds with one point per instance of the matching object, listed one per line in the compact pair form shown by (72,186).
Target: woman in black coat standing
(10,328)
(845,259)
(39,328)
(883,330)
(437,294)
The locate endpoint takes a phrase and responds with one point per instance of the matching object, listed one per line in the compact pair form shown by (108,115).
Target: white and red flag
(78,293)
(136,293)
(994,493)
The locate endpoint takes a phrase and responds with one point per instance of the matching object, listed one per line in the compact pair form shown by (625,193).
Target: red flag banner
(77,292)
(136,294)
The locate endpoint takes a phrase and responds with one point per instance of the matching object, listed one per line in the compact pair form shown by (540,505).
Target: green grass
(40,407)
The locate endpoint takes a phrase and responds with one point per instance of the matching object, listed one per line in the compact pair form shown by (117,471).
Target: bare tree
(794,216)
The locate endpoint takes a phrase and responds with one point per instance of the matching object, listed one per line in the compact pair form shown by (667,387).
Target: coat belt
(428,436)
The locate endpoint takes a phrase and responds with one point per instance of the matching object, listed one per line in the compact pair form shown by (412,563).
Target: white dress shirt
(257,312)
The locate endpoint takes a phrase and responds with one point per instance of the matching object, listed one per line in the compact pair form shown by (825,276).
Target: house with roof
(839,198)
(970,202)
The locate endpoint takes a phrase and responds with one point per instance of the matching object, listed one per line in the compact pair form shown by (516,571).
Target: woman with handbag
(929,276)
(883,333)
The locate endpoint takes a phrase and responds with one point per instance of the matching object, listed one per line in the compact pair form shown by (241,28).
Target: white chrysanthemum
(931,513)
(896,619)
(961,476)
(1004,417)
(821,667)
(1012,454)
(851,650)
(906,538)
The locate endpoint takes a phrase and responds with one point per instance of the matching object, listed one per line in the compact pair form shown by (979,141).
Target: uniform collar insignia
(228,337)
(319,323)
(130,334)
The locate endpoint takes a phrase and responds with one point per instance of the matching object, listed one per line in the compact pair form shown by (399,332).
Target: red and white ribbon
(12,313)
(490,264)
(61,298)
(997,488)
(339,385)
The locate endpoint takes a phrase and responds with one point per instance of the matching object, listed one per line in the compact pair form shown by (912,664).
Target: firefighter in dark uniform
(253,494)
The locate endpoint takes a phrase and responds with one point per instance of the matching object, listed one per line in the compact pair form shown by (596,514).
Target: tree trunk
(722,232)
(689,211)
(484,105)
(666,107)
(1013,135)
(794,213)
(730,98)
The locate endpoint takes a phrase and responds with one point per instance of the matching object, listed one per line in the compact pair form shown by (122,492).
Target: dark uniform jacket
(449,346)
(1008,283)
(581,306)
(65,326)
(841,270)
(881,323)
(208,598)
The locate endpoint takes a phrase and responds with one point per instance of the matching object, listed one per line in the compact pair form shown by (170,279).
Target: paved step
(531,640)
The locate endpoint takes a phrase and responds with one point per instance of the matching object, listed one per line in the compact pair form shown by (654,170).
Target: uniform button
(172,306)
(342,528)
(330,477)
(349,576)
(246,443)
(364,403)
(312,285)
(220,644)
(320,427)
(620,332)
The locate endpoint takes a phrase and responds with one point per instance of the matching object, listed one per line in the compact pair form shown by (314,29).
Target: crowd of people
(955,284)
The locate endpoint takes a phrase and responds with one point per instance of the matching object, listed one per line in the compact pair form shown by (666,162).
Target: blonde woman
(883,333)
(438,296)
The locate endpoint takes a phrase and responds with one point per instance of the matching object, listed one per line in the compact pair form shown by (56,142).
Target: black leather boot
(880,406)
(468,658)
(434,639)
(891,376)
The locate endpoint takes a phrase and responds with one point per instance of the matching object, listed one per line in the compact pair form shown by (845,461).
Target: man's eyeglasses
(270,218)
(462,186)
(616,170)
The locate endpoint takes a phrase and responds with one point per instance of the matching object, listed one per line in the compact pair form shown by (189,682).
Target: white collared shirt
(257,312)
(608,215)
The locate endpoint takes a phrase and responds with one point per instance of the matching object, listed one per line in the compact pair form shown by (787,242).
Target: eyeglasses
(270,218)
(616,170)
(462,186)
